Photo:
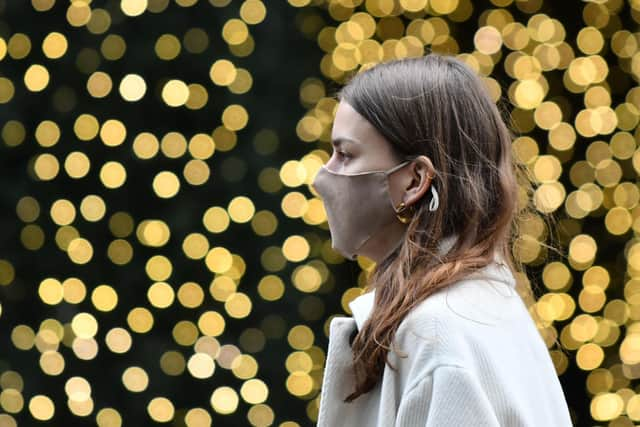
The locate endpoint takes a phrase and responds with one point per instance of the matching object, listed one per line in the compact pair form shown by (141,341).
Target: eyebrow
(338,141)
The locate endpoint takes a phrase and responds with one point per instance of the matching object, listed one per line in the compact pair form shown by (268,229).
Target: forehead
(349,124)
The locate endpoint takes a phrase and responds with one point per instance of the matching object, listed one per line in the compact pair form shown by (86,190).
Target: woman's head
(437,107)
(437,110)
(362,185)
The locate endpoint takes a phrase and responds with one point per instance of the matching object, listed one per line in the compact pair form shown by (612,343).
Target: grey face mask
(358,206)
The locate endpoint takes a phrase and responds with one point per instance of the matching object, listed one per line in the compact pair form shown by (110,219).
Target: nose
(330,163)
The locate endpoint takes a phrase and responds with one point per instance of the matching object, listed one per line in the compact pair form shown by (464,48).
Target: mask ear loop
(401,208)
(396,167)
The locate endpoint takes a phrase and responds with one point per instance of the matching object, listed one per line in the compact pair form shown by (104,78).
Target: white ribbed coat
(475,358)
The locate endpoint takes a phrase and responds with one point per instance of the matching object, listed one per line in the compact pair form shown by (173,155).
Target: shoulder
(484,297)
(441,329)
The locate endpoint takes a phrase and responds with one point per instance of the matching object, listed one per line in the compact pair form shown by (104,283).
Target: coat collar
(362,305)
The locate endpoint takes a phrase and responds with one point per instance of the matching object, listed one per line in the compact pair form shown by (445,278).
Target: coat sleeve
(448,396)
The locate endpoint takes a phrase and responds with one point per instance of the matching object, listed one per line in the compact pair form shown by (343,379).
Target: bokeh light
(161,234)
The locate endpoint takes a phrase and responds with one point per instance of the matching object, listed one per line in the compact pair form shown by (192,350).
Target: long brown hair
(435,105)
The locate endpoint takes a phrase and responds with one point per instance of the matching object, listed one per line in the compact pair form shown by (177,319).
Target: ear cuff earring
(404,212)
(435,201)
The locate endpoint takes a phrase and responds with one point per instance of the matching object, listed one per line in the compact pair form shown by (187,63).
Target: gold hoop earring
(401,210)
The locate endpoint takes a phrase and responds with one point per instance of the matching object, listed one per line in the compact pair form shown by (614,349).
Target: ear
(420,174)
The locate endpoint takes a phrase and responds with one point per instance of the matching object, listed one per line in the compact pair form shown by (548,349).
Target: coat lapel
(338,380)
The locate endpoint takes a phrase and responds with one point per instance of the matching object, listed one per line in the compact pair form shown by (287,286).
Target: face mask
(358,206)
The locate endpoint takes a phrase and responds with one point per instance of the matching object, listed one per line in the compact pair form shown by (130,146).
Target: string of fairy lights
(152,254)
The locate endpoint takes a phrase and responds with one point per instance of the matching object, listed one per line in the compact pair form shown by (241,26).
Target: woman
(422,181)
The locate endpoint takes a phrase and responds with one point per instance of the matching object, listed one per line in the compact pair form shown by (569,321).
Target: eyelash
(341,154)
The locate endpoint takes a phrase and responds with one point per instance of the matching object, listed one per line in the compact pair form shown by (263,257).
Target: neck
(389,239)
